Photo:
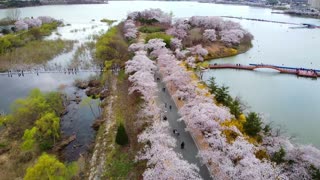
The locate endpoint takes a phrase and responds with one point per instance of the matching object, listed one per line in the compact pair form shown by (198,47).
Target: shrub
(49,167)
(112,46)
(261,154)
(108,21)
(151,29)
(235,108)
(147,21)
(315,173)
(278,157)
(222,96)
(252,126)
(212,85)
(122,137)
(160,35)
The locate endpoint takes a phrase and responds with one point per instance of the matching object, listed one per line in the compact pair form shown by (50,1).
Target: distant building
(314,3)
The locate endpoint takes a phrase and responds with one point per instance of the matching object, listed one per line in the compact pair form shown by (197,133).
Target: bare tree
(13,14)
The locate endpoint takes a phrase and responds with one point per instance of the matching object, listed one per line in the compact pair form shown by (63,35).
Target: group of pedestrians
(19,72)
(175,131)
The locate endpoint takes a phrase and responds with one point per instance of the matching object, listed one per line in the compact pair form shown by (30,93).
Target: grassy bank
(218,50)
(22,38)
(118,161)
(34,52)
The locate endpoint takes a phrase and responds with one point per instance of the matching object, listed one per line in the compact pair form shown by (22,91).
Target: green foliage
(222,95)
(278,157)
(11,41)
(315,172)
(147,21)
(212,85)
(112,46)
(35,52)
(159,35)
(48,127)
(46,29)
(119,167)
(49,167)
(267,129)
(122,137)
(108,21)
(261,154)
(253,123)
(122,75)
(151,29)
(35,109)
(235,108)
(29,139)
(55,101)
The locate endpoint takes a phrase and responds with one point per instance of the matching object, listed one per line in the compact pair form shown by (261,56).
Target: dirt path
(98,159)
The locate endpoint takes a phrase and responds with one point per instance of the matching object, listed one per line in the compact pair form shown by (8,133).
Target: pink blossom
(175,43)
(21,25)
(32,22)
(136,47)
(210,34)
(130,30)
(46,19)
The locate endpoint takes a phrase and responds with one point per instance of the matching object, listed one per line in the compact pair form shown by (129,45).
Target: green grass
(159,35)
(120,165)
(151,29)
(122,75)
(108,21)
(22,38)
(34,52)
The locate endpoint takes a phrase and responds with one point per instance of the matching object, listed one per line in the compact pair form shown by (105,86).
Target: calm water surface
(286,100)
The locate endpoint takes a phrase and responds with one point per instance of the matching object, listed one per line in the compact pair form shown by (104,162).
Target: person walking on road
(176,132)
(170,107)
(182,145)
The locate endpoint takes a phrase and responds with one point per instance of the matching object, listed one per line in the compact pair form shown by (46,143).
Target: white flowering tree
(210,34)
(21,25)
(130,30)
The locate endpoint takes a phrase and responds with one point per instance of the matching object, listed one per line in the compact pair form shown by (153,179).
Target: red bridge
(312,73)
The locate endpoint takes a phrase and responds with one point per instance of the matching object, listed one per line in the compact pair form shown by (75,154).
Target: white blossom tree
(130,30)
(210,34)
(21,25)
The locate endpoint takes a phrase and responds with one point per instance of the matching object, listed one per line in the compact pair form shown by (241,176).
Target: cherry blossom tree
(162,161)
(210,34)
(32,22)
(136,47)
(154,44)
(150,14)
(46,19)
(179,29)
(181,54)
(130,30)
(21,25)
(198,51)
(175,43)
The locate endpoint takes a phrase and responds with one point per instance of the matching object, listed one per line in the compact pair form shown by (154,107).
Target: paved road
(190,150)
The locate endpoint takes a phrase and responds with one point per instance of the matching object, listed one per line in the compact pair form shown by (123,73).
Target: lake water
(285,100)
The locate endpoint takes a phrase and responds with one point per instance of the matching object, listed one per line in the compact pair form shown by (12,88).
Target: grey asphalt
(190,150)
